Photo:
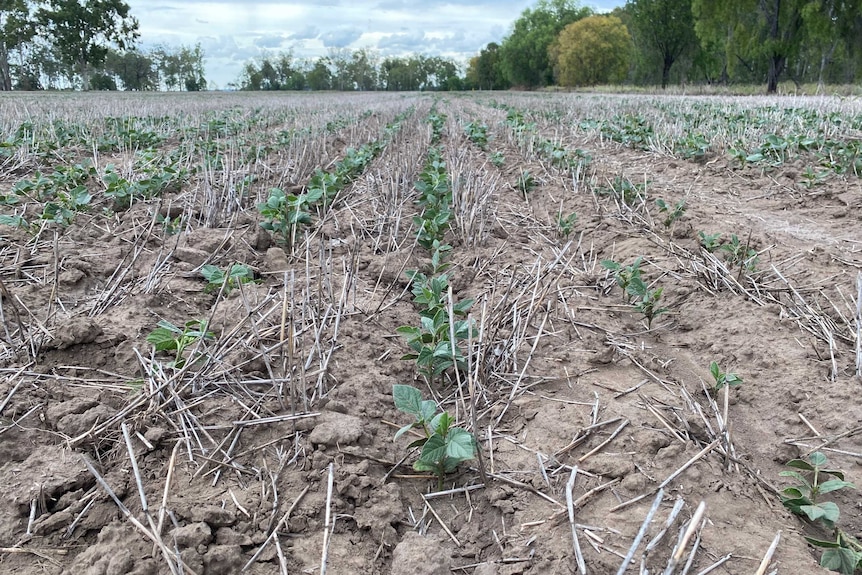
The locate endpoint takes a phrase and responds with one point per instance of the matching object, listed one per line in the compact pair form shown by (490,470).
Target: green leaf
(795,505)
(417,442)
(840,559)
(834,485)
(402,431)
(827,512)
(407,399)
(798,476)
(163,339)
(800,464)
(460,444)
(814,512)
(434,450)
(441,424)
(792,493)
(422,465)
(212,274)
(817,459)
(427,409)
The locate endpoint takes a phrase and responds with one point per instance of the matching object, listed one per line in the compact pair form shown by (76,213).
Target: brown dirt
(252,436)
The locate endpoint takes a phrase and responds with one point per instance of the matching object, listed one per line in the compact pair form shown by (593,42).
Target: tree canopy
(592,51)
(524,52)
(81,31)
(664,27)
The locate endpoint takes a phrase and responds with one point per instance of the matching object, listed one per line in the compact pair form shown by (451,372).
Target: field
(640,308)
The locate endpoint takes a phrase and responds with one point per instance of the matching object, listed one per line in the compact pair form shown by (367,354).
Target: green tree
(592,51)
(361,70)
(664,26)
(485,71)
(181,67)
(524,52)
(136,70)
(82,31)
(319,77)
(759,34)
(832,27)
(402,74)
(16,28)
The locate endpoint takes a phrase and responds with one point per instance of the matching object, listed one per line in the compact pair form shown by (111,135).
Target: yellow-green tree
(595,50)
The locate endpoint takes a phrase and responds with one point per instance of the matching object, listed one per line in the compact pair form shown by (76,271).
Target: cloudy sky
(231,32)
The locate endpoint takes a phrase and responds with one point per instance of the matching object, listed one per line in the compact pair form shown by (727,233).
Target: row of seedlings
(436,344)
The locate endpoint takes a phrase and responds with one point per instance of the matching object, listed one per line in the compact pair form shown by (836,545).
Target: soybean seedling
(646,299)
(723,379)
(739,254)
(566,224)
(216,277)
(526,183)
(443,445)
(709,242)
(844,552)
(169,337)
(670,214)
(624,275)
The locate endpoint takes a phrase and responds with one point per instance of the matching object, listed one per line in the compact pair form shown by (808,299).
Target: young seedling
(169,337)
(740,255)
(566,224)
(284,214)
(671,215)
(646,300)
(444,446)
(497,158)
(723,379)
(709,242)
(843,553)
(526,183)
(432,346)
(216,277)
(624,275)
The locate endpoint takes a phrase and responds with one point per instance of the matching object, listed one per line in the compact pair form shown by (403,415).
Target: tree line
(87,44)
(650,42)
(90,44)
(345,70)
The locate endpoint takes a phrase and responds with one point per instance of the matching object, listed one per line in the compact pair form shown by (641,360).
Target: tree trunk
(5,75)
(776,67)
(665,70)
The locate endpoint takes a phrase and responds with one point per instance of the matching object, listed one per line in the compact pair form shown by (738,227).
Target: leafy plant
(169,337)
(14,221)
(497,158)
(216,277)
(671,215)
(170,226)
(844,552)
(692,147)
(709,242)
(740,255)
(646,299)
(812,177)
(723,379)
(285,213)
(624,275)
(478,134)
(526,182)
(62,209)
(566,224)
(444,446)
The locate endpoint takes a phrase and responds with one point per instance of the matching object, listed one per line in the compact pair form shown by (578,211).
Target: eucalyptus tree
(82,31)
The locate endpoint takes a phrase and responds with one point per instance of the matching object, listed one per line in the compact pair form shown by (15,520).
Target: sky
(232,32)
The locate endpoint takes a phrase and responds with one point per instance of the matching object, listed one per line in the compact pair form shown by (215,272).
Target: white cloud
(231,32)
